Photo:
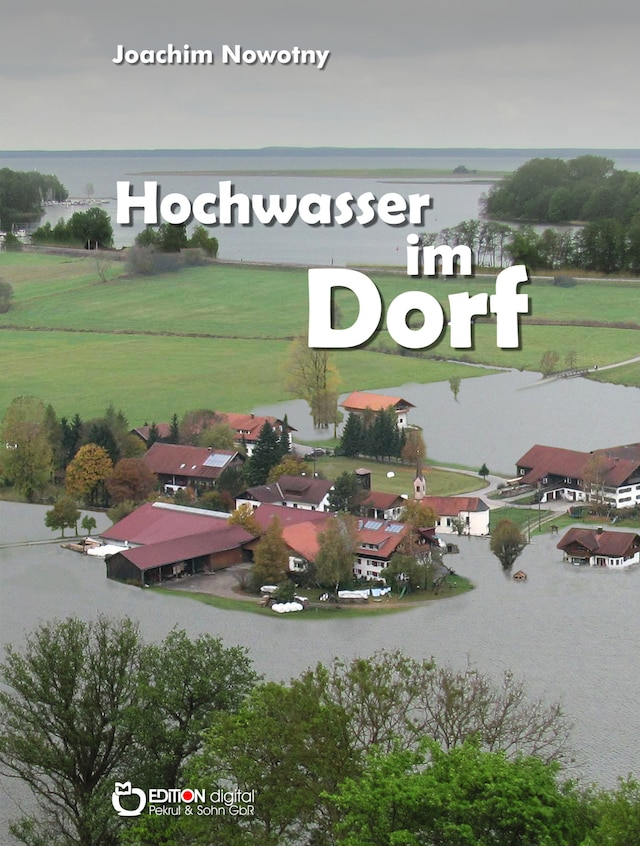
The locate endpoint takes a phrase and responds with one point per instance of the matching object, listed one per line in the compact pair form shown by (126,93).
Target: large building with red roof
(161,541)
(609,475)
(599,548)
(361,402)
(178,466)
(466,515)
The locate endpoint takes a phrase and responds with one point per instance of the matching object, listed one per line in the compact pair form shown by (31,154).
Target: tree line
(377,750)
(604,246)
(23,194)
(547,190)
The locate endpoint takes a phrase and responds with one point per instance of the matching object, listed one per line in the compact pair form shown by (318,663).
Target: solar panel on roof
(395,527)
(373,524)
(216,459)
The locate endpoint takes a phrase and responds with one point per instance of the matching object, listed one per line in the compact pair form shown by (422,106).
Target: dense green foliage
(374,434)
(379,751)
(587,188)
(90,229)
(23,194)
(84,704)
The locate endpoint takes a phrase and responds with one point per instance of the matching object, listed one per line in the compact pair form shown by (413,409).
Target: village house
(381,506)
(610,476)
(246,429)
(599,548)
(466,515)
(361,402)
(305,492)
(162,541)
(178,466)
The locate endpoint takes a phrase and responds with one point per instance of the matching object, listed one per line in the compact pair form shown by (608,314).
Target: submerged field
(218,336)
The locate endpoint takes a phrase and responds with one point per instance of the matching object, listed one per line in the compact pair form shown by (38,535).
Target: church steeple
(419,482)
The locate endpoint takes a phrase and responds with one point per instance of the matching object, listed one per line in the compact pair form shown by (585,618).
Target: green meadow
(217,336)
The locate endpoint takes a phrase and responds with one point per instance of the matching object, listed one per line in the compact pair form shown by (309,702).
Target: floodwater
(572,633)
(496,419)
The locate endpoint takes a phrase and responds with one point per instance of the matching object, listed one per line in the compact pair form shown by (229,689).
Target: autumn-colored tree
(593,478)
(243,516)
(290,465)
(87,473)
(418,515)
(270,558)
(414,448)
(507,542)
(131,479)
(312,376)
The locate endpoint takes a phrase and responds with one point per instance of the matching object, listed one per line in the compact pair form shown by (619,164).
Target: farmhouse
(178,466)
(246,429)
(361,402)
(599,548)
(610,476)
(291,491)
(163,541)
(467,515)
(381,506)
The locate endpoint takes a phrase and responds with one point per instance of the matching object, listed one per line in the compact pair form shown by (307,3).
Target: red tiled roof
(610,544)
(387,541)
(265,513)
(164,431)
(361,400)
(300,489)
(618,463)
(302,538)
(155,523)
(382,501)
(186,547)
(451,506)
(189,461)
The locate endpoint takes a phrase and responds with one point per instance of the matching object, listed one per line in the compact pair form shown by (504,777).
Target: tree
(406,700)
(312,376)
(88,523)
(549,362)
(352,440)
(462,796)
(290,465)
(217,436)
(87,473)
(201,238)
(87,703)
(6,295)
(454,384)
(484,472)
(63,515)
(266,454)
(131,479)
(507,542)
(91,228)
(593,480)
(336,556)
(293,750)
(270,558)
(414,449)
(244,516)
(65,727)
(28,456)
(418,515)
(345,493)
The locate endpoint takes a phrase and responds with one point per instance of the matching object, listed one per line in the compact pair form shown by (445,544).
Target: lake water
(572,633)
(184,172)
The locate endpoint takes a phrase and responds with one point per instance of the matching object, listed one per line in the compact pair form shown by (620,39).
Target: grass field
(217,336)
(439,482)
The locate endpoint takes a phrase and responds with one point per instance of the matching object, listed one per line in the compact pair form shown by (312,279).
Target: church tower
(419,482)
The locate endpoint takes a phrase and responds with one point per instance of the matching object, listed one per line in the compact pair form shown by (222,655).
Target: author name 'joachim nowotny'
(229,55)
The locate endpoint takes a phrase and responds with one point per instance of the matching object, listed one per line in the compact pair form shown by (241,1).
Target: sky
(409,73)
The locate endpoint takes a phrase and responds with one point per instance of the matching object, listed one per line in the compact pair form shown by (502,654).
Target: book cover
(324,171)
